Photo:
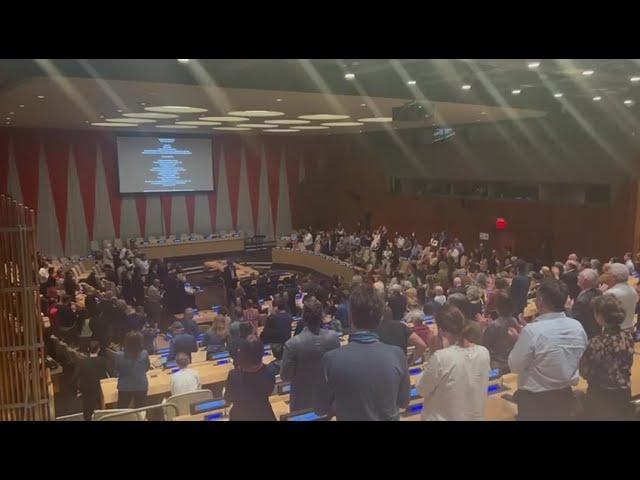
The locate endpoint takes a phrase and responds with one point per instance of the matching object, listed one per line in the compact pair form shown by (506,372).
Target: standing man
(367,379)
(519,288)
(581,309)
(623,292)
(546,357)
(570,278)
(230,281)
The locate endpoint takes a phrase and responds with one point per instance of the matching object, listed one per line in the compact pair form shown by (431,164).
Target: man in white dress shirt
(546,357)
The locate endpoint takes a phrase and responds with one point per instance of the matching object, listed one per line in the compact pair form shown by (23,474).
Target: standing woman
(606,363)
(132,365)
(454,383)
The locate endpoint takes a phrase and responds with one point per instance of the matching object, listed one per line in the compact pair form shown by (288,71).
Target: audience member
(86,379)
(185,380)
(132,364)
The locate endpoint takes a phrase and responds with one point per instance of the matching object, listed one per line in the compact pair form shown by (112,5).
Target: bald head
(619,272)
(588,278)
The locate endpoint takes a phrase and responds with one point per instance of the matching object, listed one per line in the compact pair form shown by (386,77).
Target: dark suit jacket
(88,373)
(518,292)
(583,313)
(228,281)
(571,279)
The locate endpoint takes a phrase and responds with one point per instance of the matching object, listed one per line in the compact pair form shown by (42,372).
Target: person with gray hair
(581,309)
(623,292)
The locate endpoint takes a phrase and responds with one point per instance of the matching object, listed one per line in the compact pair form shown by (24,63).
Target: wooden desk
(318,263)
(192,247)
(203,317)
(242,271)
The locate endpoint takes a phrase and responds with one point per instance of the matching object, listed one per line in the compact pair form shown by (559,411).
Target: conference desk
(242,271)
(328,266)
(189,248)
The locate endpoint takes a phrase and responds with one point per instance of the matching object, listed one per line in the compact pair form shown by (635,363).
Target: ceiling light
(312,127)
(40,97)
(101,116)
(282,130)
(176,126)
(483,113)
(143,103)
(256,113)
(287,122)
(376,120)
(411,82)
(363,104)
(533,65)
(516,92)
(349,76)
(198,123)
(466,87)
(557,95)
(113,124)
(324,116)
(130,120)
(587,72)
(232,129)
(256,125)
(224,119)
(175,109)
(629,102)
(597,99)
(12,113)
(8,118)
(278,99)
(343,124)
(635,79)
(183,60)
(149,115)
(119,110)
(21,106)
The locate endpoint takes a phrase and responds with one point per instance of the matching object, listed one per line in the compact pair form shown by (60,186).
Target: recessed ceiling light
(635,79)
(324,116)
(256,125)
(363,104)
(175,109)
(533,65)
(597,99)
(515,92)
(113,124)
(101,116)
(12,113)
(287,122)
(587,72)
(376,120)
(343,124)
(198,123)
(224,119)
(176,126)
(8,118)
(483,113)
(183,60)
(466,87)
(278,99)
(557,95)
(232,129)
(130,120)
(256,113)
(282,130)
(629,102)
(312,127)
(143,103)
(411,82)
(149,115)
(40,97)
(349,76)
(119,110)
(21,106)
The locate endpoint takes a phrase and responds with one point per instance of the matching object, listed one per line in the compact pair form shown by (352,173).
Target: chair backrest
(184,401)
(136,417)
(199,356)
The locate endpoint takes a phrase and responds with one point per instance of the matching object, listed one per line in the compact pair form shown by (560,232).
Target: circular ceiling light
(255,113)
(349,76)
(516,92)
(113,124)
(232,129)
(21,106)
(40,97)
(597,99)
(175,109)
(130,120)
(325,116)
(411,82)
(287,122)
(533,65)
(466,87)
(557,95)
(183,60)
(587,73)
(312,127)
(343,124)
(149,115)
(256,125)
(376,120)
(635,79)
(198,123)
(282,130)
(176,126)
(629,102)
(224,119)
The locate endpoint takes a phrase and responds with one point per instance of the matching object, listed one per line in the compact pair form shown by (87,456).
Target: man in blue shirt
(181,342)
(367,379)
(546,357)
